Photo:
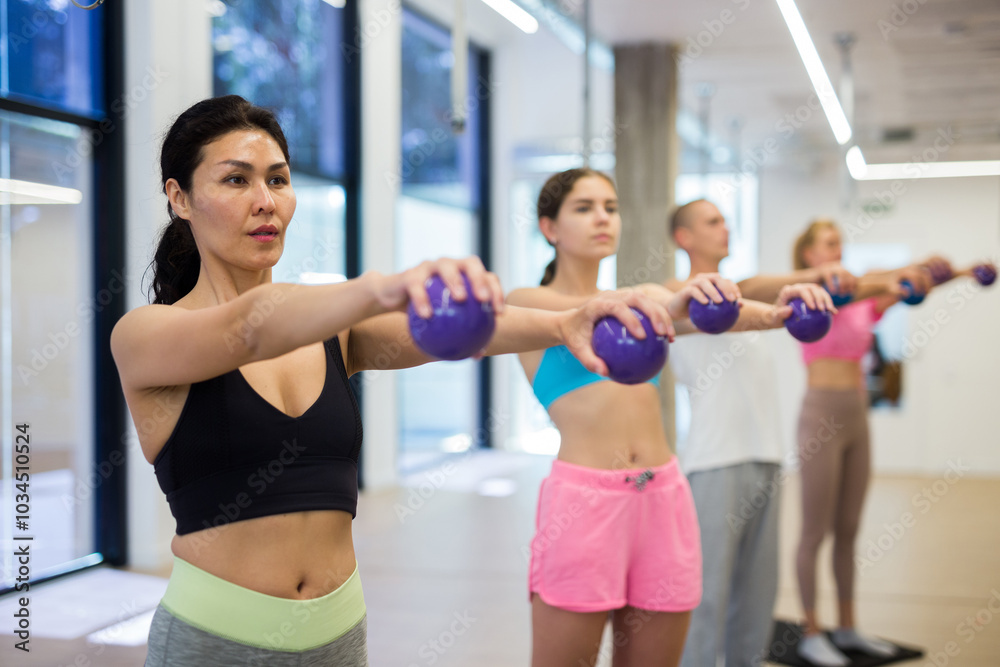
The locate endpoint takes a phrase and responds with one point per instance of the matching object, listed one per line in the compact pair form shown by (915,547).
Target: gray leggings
(174,643)
(835,463)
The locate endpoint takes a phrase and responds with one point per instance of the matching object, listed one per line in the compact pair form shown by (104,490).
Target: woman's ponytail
(176,264)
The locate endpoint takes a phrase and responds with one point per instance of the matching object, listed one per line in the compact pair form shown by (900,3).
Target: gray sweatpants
(174,643)
(738,514)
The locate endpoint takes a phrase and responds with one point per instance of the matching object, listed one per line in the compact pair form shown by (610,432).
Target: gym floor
(444,568)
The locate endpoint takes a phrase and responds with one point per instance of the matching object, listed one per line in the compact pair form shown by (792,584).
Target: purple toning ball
(713,317)
(806,324)
(456,329)
(985,274)
(629,360)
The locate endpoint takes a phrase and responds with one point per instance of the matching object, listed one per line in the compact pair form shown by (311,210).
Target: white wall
(949,392)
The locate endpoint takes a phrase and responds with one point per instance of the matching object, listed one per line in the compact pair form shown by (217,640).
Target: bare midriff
(835,374)
(611,426)
(299,555)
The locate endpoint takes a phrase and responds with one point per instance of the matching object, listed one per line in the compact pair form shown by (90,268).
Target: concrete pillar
(646,159)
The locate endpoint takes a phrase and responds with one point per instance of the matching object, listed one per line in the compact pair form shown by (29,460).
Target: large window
(285,55)
(439,163)
(54,56)
(61,287)
(442,213)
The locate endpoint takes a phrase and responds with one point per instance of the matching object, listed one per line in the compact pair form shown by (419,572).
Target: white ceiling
(936,67)
(915,74)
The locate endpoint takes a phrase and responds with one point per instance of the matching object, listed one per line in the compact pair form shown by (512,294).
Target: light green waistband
(224,609)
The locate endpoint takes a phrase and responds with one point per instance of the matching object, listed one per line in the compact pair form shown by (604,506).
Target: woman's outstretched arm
(163,346)
(754,315)
(518,329)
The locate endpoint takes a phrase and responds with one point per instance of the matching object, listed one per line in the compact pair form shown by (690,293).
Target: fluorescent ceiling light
(861,171)
(817,74)
(856,163)
(515,14)
(891,172)
(26,192)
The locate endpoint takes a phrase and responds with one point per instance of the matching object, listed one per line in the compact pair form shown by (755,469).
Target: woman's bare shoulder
(543,298)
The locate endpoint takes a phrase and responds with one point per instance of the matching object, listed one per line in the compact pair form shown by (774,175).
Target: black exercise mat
(785,643)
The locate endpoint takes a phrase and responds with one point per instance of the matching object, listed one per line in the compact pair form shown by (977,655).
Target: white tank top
(732,381)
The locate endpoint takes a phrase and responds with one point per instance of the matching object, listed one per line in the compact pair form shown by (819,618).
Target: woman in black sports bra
(238,389)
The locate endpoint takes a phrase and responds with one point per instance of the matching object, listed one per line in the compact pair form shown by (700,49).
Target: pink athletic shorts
(605,539)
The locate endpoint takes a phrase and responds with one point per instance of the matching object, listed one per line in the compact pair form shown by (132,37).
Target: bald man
(733,454)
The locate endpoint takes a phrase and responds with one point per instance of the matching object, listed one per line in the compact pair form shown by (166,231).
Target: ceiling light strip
(515,14)
(914,170)
(817,74)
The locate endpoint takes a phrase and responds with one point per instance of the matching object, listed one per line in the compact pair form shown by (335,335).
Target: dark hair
(552,196)
(176,264)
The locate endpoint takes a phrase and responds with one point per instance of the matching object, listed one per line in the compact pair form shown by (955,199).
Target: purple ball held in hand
(714,318)
(456,329)
(985,274)
(806,324)
(629,360)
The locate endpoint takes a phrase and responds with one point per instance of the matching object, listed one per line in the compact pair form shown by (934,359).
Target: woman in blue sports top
(238,388)
(616,531)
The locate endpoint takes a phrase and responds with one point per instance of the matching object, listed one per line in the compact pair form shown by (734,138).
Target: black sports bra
(234,456)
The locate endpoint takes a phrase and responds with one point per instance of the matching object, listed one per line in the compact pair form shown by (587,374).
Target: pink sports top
(849,338)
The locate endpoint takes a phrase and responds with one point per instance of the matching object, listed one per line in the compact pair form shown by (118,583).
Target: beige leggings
(835,462)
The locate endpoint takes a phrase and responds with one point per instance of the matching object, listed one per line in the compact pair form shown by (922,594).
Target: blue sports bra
(560,373)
